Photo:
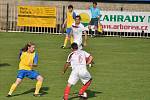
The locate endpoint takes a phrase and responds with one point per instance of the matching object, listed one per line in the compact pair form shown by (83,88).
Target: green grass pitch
(121,70)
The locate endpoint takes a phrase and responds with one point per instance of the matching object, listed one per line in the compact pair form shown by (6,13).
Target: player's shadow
(90,93)
(43,91)
(4,64)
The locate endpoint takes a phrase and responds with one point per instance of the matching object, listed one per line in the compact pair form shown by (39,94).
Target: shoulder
(73,24)
(98,8)
(23,52)
(70,55)
(81,25)
(82,51)
(85,52)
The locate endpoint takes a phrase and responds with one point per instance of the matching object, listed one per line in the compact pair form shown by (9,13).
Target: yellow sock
(13,87)
(38,87)
(71,39)
(65,41)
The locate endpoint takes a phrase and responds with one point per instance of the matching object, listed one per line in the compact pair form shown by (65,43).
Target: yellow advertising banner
(36,16)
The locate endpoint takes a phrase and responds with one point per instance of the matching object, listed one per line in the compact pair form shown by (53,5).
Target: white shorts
(83,75)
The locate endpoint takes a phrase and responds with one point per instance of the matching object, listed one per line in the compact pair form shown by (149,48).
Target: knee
(69,85)
(18,81)
(40,78)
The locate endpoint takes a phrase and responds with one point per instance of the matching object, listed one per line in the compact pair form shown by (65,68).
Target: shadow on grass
(90,93)
(4,64)
(43,91)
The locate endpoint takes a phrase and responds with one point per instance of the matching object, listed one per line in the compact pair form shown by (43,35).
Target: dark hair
(70,6)
(78,16)
(74,46)
(25,48)
(94,2)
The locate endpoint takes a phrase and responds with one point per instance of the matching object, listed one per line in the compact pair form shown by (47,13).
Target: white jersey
(78,64)
(77,32)
(78,59)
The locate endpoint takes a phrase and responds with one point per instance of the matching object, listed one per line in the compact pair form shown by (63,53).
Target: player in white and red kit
(77,31)
(78,59)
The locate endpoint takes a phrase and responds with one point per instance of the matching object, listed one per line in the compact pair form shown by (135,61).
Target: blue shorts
(68,30)
(94,21)
(27,73)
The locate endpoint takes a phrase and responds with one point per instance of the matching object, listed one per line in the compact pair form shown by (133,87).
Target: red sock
(66,92)
(84,87)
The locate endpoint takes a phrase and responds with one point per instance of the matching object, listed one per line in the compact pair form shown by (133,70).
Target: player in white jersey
(78,59)
(77,30)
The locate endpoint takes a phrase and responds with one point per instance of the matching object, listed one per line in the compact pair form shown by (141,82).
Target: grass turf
(121,70)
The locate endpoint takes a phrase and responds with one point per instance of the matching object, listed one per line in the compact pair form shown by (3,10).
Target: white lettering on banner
(120,21)
(122,18)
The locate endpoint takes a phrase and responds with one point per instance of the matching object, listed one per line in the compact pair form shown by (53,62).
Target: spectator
(95,16)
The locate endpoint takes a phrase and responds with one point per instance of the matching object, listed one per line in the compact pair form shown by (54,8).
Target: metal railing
(8,20)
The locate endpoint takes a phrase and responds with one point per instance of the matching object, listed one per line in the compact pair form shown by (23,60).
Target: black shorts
(94,21)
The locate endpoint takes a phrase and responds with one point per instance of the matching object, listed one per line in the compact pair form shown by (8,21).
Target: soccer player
(95,11)
(78,59)
(69,20)
(28,59)
(77,31)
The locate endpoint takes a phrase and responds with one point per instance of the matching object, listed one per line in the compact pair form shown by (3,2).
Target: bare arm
(67,64)
(64,23)
(33,65)
(90,59)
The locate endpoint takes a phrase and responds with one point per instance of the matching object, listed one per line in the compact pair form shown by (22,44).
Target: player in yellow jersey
(68,22)
(28,59)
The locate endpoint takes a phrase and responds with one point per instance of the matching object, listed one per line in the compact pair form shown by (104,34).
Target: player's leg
(90,30)
(20,76)
(71,81)
(71,39)
(67,91)
(96,26)
(13,86)
(67,37)
(38,85)
(65,41)
(35,75)
(86,80)
(90,27)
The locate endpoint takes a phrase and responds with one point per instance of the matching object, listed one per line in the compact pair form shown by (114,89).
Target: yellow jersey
(70,18)
(26,59)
